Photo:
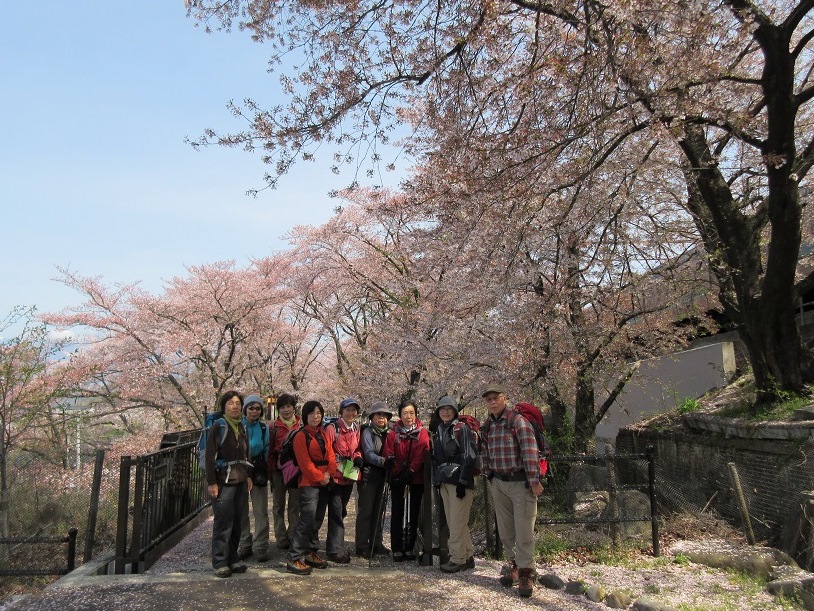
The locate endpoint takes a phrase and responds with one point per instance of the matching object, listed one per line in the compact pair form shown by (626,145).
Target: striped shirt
(508,453)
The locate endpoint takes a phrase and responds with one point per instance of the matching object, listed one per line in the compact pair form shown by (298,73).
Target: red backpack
(533,414)
(534,417)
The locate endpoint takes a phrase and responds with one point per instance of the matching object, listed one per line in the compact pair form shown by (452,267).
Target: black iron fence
(159,493)
(15,546)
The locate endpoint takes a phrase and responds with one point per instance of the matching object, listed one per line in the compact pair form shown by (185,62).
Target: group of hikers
(384,458)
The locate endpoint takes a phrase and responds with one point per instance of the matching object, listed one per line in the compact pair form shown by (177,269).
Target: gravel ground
(387,585)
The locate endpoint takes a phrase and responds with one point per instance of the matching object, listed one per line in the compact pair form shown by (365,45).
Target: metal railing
(70,539)
(159,493)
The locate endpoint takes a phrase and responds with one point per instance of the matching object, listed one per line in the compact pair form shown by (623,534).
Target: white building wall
(662,383)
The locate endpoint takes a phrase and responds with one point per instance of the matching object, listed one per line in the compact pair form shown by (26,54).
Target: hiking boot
(470,562)
(409,555)
(316,561)
(283,544)
(526,577)
(452,567)
(238,567)
(398,556)
(223,572)
(382,550)
(509,575)
(362,552)
(339,557)
(244,553)
(262,557)
(297,567)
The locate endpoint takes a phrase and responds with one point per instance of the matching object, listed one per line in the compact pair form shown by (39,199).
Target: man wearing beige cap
(511,462)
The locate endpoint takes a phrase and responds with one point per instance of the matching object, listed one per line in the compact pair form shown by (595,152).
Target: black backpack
(287,460)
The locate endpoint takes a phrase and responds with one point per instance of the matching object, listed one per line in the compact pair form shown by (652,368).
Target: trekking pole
(379,516)
(405,533)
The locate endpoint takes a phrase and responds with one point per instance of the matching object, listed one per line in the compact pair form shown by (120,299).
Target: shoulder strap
(223,430)
(320,440)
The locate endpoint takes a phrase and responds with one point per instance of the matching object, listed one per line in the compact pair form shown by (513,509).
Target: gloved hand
(460,491)
(403,478)
(357,462)
(388,462)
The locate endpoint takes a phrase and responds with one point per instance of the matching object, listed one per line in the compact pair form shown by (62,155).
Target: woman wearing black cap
(369,527)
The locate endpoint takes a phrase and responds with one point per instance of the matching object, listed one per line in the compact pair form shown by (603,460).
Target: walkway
(183,580)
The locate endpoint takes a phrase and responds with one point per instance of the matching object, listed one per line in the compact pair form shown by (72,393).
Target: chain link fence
(761,485)
(47,501)
(589,502)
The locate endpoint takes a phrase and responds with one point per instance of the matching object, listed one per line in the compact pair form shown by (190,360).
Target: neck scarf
(235,424)
(288,423)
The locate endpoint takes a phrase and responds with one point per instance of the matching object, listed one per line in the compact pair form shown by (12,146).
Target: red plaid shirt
(508,452)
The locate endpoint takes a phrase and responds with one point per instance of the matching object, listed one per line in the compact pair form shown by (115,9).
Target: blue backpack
(209,422)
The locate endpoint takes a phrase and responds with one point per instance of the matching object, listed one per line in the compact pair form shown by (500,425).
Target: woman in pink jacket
(406,445)
(343,436)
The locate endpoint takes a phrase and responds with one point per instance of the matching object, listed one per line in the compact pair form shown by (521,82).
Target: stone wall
(692,474)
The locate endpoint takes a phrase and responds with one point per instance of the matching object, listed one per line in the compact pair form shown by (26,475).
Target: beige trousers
(457,512)
(516,511)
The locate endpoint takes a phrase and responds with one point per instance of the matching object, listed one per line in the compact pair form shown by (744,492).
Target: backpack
(533,414)
(534,417)
(260,465)
(287,460)
(474,425)
(209,422)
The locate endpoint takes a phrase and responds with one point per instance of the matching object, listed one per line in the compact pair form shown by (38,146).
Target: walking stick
(379,516)
(405,533)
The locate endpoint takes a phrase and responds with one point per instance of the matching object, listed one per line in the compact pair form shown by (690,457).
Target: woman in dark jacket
(369,511)
(227,476)
(406,445)
(453,453)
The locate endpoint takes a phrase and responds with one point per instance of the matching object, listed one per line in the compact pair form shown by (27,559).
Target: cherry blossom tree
(540,97)
(31,382)
(352,272)
(546,302)
(177,352)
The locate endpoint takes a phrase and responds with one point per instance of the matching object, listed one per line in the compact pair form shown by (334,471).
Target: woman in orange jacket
(317,463)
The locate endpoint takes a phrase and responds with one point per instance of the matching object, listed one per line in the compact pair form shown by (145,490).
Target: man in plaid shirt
(511,462)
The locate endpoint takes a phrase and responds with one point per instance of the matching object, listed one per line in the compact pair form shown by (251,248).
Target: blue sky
(97,98)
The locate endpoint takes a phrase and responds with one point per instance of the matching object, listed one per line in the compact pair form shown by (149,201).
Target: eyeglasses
(254,408)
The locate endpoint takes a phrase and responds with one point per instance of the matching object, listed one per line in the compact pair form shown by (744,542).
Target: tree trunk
(761,302)
(584,411)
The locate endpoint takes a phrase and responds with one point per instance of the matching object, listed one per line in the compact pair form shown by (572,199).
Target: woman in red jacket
(285,502)
(406,445)
(343,436)
(317,463)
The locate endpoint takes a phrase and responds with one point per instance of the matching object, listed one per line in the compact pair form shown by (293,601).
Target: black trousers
(402,540)
(231,504)
(370,496)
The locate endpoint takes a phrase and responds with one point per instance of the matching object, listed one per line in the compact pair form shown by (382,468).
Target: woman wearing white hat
(371,488)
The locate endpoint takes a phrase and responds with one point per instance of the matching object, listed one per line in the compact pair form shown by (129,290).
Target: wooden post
(93,511)
(744,510)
